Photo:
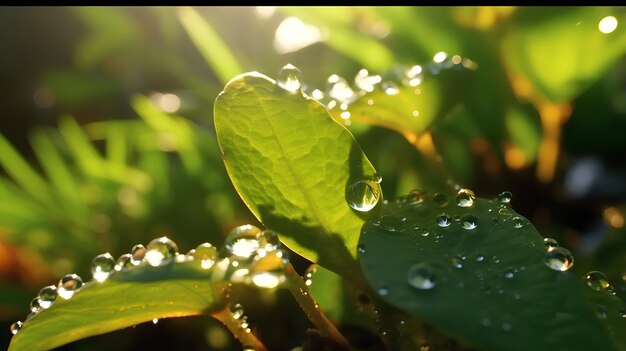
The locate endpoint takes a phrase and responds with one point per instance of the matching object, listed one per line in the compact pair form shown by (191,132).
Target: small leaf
(124,300)
(291,164)
(488,285)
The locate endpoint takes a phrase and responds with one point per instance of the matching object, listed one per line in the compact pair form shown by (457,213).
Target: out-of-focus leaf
(524,127)
(72,88)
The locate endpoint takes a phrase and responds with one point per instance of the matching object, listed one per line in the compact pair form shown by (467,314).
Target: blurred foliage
(107,136)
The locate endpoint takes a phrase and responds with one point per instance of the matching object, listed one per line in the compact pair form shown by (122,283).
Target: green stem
(235,327)
(301,293)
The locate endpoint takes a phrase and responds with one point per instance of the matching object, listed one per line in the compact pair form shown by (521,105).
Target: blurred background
(107,138)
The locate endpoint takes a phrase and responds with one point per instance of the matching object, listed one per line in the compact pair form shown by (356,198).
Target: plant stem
(300,291)
(235,327)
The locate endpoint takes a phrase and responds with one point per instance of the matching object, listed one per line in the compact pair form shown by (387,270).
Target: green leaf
(124,300)
(291,164)
(560,50)
(409,108)
(211,46)
(491,287)
(524,127)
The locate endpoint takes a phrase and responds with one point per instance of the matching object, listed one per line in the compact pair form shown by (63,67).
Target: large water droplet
(340,90)
(124,263)
(102,266)
(268,240)
(440,199)
(290,78)
(421,276)
(465,198)
(268,271)
(518,222)
(243,241)
(15,327)
(366,82)
(137,254)
(443,220)
(363,195)
(549,242)
(469,222)
(237,310)
(206,254)
(160,252)
(69,285)
(415,197)
(47,295)
(505,197)
(597,281)
(559,259)
(35,306)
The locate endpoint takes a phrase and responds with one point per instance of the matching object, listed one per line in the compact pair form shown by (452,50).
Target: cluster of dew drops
(340,94)
(255,254)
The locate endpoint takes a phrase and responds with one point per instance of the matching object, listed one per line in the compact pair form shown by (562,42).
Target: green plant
(436,267)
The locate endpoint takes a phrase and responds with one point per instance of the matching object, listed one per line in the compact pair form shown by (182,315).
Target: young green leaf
(291,163)
(123,300)
(481,272)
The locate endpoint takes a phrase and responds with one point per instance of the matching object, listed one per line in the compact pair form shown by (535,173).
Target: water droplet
(390,88)
(15,327)
(440,199)
(465,198)
(509,273)
(443,220)
(363,195)
(237,310)
(479,258)
(601,312)
(559,259)
(413,76)
(243,241)
(366,82)
(102,266)
(383,291)
(361,248)
(206,254)
(339,89)
(424,232)
(457,262)
(308,274)
(421,276)
(549,242)
(268,270)
(160,252)
(469,222)
(123,263)
(504,212)
(47,295)
(69,285)
(506,326)
(377,178)
(597,281)
(622,313)
(518,222)
(290,78)
(505,197)
(137,254)
(35,306)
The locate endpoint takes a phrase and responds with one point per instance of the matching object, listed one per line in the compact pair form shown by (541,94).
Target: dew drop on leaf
(465,198)
(505,197)
(479,258)
(457,263)
(421,276)
(549,242)
(123,263)
(440,199)
(290,78)
(383,291)
(69,285)
(243,241)
(469,222)
(361,248)
(102,266)
(35,306)
(443,220)
(363,195)
(236,310)
(206,254)
(47,295)
(559,259)
(597,281)
(509,274)
(160,252)
(137,254)
(518,222)
(15,327)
